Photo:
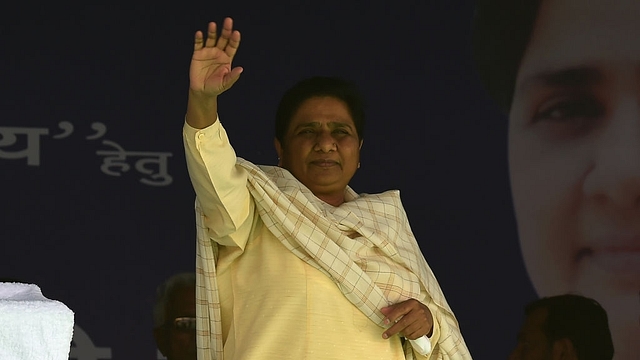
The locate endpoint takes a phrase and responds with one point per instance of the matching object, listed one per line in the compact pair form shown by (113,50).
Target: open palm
(210,72)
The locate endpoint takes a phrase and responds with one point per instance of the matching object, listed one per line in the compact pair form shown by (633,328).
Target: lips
(325,163)
(616,254)
(618,261)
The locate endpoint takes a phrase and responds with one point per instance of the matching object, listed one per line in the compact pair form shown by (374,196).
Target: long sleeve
(220,185)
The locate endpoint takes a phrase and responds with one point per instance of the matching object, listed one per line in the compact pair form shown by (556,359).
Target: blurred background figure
(564,327)
(174,316)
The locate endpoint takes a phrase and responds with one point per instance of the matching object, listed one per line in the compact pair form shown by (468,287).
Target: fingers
(198,42)
(212,35)
(234,43)
(413,330)
(410,318)
(229,40)
(402,326)
(394,312)
(227,31)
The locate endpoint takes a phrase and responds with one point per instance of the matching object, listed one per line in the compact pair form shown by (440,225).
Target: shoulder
(387,202)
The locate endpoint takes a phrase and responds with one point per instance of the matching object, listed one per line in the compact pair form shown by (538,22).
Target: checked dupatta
(365,246)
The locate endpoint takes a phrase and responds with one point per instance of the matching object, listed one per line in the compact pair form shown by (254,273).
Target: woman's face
(574,157)
(321,147)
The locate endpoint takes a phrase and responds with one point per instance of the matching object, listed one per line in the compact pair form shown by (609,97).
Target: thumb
(233,76)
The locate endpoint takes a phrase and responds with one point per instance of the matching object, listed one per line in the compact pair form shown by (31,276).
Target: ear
(162,340)
(278,147)
(563,349)
(360,148)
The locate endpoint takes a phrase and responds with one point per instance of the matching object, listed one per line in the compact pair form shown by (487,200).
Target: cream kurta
(297,278)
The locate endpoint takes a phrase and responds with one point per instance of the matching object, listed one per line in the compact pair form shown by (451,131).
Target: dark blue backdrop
(81,81)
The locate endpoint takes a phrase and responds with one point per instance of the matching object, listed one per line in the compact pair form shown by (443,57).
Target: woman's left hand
(411,318)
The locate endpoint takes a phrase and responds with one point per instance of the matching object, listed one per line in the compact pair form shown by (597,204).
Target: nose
(325,142)
(615,175)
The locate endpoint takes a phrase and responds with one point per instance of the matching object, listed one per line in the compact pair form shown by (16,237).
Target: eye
(580,108)
(306,131)
(341,131)
(569,117)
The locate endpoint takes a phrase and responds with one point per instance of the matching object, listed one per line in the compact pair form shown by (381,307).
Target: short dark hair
(579,319)
(166,290)
(501,32)
(314,87)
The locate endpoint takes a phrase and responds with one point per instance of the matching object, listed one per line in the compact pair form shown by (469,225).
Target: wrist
(202,110)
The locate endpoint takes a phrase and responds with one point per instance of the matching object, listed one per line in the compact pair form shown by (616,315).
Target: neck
(332,199)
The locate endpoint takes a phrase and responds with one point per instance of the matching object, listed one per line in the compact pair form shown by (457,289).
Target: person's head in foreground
(564,327)
(174,317)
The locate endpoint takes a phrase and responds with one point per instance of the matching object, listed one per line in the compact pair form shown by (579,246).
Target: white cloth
(33,327)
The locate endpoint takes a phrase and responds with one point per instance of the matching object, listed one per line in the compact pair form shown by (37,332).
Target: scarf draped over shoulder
(365,246)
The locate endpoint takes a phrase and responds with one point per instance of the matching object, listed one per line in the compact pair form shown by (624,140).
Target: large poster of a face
(574,156)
